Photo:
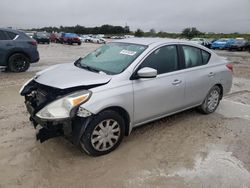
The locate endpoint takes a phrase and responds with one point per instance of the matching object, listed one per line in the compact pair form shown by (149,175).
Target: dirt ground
(184,150)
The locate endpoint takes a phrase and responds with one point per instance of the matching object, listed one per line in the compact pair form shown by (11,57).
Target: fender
(79,126)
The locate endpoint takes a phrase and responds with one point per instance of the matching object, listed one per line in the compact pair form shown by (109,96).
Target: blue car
(219,44)
(229,43)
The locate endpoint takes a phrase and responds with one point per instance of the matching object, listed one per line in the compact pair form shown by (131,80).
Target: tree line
(104,29)
(188,33)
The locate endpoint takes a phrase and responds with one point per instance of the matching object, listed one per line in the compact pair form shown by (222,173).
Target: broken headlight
(62,108)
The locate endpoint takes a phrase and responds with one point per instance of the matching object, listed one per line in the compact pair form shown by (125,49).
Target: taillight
(33,42)
(230,66)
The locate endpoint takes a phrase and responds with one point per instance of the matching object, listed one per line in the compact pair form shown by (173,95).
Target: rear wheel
(18,63)
(104,134)
(211,101)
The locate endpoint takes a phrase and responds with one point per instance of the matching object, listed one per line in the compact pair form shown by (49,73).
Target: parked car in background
(55,37)
(219,44)
(100,98)
(201,41)
(17,50)
(70,38)
(238,44)
(30,34)
(248,46)
(41,37)
(85,38)
(98,40)
(229,42)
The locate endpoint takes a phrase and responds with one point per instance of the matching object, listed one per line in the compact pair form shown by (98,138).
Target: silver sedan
(100,98)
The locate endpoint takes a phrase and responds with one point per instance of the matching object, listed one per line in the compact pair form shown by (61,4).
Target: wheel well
(221,88)
(124,114)
(17,52)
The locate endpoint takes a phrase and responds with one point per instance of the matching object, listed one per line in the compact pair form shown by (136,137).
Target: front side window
(112,58)
(164,59)
(192,56)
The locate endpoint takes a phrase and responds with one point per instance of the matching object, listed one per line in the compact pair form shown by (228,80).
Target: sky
(225,16)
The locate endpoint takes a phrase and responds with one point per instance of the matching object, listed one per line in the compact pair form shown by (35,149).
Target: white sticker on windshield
(127,52)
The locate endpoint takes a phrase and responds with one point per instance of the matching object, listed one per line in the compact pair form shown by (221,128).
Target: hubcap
(213,100)
(105,135)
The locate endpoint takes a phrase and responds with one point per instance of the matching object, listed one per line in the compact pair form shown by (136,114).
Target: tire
(211,101)
(18,62)
(79,43)
(96,139)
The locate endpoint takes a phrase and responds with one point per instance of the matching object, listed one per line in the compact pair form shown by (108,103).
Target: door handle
(176,82)
(211,74)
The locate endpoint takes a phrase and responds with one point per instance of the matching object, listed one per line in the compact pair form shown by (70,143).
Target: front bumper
(70,128)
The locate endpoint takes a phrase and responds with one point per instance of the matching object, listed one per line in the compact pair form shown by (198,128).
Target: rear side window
(11,35)
(192,56)
(164,59)
(205,57)
(3,36)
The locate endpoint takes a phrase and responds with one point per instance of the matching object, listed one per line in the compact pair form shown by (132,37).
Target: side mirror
(146,72)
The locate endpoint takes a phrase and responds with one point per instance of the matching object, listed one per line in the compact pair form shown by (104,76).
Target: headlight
(62,107)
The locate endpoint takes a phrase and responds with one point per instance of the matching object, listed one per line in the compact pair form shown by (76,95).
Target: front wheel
(104,133)
(18,63)
(211,101)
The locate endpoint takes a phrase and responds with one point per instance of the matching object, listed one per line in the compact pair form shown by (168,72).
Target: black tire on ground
(18,62)
(211,101)
(90,140)
(79,43)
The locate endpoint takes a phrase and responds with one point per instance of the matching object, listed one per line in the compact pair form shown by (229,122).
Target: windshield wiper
(78,64)
(89,68)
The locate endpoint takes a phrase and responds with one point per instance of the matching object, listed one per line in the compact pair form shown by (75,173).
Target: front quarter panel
(118,94)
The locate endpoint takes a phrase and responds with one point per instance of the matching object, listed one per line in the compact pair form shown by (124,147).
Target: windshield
(112,58)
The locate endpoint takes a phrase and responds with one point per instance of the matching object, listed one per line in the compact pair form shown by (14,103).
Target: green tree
(139,33)
(191,32)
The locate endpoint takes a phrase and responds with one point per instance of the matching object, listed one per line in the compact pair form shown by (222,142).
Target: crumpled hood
(68,75)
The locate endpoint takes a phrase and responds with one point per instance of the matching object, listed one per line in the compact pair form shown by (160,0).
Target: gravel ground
(184,150)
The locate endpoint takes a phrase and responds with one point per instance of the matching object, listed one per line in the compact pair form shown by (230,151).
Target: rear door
(6,44)
(155,97)
(199,76)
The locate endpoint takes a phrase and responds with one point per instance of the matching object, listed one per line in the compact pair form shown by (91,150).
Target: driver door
(164,94)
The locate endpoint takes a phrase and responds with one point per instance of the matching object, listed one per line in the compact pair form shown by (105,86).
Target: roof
(147,41)
(11,30)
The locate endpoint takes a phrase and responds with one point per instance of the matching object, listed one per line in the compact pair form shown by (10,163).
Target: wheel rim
(20,63)
(105,135)
(213,100)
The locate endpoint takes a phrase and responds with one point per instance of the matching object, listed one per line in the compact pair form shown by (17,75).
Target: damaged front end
(57,111)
